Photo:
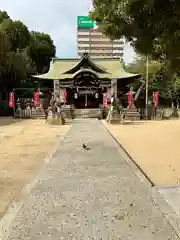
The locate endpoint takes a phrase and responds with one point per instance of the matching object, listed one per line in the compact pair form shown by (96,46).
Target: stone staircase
(78,113)
(88,113)
(132,114)
(37,113)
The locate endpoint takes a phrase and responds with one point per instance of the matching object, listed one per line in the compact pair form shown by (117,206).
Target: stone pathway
(89,194)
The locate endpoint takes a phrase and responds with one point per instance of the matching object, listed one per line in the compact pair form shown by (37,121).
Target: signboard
(85,22)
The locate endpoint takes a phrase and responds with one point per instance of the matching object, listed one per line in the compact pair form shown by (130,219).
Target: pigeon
(85,147)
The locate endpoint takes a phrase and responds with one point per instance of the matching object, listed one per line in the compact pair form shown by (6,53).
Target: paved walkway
(90,194)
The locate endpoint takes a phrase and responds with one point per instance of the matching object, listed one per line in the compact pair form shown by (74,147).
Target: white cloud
(56,17)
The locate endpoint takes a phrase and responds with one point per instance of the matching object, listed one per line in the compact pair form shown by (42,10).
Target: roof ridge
(79,59)
(106,59)
(65,59)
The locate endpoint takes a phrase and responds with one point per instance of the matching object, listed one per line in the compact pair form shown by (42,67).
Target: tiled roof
(58,68)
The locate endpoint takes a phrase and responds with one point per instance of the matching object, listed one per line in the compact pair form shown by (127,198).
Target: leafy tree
(3,16)
(151,26)
(41,50)
(18,34)
(22,53)
(21,65)
(161,79)
(5,48)
(139,66)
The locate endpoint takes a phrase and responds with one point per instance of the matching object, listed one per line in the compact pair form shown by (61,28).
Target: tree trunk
(174,109)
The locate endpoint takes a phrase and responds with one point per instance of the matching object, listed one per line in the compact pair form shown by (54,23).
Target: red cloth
(36,98)
(105,100)
(65,97)
(11,99)
(156,99)
(130,98)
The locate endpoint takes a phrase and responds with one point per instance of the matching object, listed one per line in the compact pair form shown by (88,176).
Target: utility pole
(147,84)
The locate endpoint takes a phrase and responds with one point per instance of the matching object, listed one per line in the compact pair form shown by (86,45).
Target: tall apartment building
(91,40)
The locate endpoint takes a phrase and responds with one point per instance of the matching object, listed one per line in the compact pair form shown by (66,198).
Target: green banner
(85,22)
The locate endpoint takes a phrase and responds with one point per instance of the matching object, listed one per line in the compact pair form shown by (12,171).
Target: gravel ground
(89,194)
(23,146)
(154,146)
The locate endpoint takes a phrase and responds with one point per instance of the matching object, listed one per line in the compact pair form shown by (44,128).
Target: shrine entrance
(87,98)
(87,92)
(81,83)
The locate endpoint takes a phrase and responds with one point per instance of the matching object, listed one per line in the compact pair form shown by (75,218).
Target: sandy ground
(154,146)
(23,146)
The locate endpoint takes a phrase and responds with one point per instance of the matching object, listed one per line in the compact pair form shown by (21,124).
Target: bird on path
(85,147)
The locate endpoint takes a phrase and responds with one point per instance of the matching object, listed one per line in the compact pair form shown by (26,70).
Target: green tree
(151,26)
(139,66)
(41,50)
(18,33)
(21,65)
(3,16)
(22,54)
(161,79)
(5,48)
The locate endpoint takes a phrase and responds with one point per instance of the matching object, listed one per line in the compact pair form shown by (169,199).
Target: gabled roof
(108,68)
(91,65)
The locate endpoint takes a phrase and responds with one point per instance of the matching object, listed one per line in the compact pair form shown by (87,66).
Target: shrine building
(85,80)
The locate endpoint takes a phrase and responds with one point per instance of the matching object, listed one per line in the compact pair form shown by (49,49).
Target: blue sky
(56,17)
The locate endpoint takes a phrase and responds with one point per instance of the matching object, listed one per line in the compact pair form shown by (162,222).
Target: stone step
(33,114)
(87,113)
(132,113)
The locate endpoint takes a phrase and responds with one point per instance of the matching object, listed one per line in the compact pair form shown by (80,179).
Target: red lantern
(36,98)
(156,99)
(130,98)
(65,97)
(11,99)
(105,100)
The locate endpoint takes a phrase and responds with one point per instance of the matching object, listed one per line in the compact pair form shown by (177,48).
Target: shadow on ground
(9,120)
